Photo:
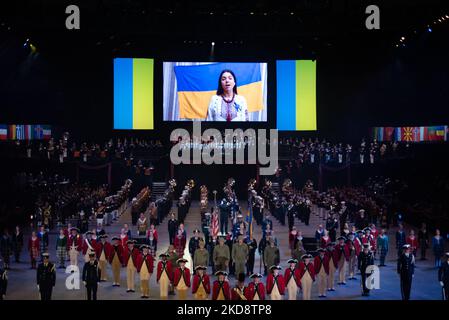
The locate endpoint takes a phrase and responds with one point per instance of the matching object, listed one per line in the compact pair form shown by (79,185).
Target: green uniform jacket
(221,253)
(271,256)
(240,252)
(201,258)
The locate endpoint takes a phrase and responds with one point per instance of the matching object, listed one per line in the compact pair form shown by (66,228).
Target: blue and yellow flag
(198,83)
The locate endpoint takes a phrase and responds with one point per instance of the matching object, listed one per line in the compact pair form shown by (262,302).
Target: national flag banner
(38,132)
(388,133)
(407,134)
(397,134)
(28,132)
(3,132)
(436,133)
(214,225)
(196,84)
(133,93)
(12,132)
(296,95)
(46,132)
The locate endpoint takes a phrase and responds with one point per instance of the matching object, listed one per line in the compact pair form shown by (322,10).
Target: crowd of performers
(229,249)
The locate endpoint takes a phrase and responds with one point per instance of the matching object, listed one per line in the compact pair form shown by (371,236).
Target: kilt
(34,253)
(61,253)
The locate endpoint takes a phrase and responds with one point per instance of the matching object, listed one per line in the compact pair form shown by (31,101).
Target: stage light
(213,43)
(251,13)
(292,13)
(402,38)
(447,16)
(439,20)
(211,13)
(429,29)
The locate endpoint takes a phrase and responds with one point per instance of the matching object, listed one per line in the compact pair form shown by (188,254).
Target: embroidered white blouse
(239,109)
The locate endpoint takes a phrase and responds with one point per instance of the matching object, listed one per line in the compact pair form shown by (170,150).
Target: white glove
(85,283)
(441,283)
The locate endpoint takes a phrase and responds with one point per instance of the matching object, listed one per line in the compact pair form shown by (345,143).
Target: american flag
(214,225)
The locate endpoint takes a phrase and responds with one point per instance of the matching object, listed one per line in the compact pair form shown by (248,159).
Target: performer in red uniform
(201,283)
(354,249)
(238,292)
(221,289)
(275,283)
(255,289)
(412,240)
(74,246)
(131,257)
(331,253)
(307,274)
(181,279)
(145,269)
(103,250)
(321,266)
(343,253)
(325,240)
(292,279)
(116,260)
(164,275)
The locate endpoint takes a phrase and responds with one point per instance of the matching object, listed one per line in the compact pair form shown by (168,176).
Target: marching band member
(321,266)
(221,289)
(131,256)
(89,246)
(255,289)
(201,283)
(238,292)
(307,275)
(292,279)
(164,275)
(181,279)
(343,254)
(145,269)
(103,250)
(275,283)
(116,260)
(75,246)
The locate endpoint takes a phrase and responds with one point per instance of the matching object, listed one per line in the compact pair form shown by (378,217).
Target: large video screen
(133,93)
(208,91)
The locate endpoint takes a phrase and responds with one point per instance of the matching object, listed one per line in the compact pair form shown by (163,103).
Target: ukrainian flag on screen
(133,93)
(197,84)
(296,95)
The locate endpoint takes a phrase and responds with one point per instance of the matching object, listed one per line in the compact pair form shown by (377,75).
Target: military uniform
(116,261)
(131,258)
(164,275)
(406,269)
(221,289)
(103,250)
(145,269)
(240,256)
(321,266)
(221,257)
(201,257)
(181,280)
(365,259)
(46,278)
(271,256)
(91,278)
(307,275)
(255,291)
(275,284)
(201,285)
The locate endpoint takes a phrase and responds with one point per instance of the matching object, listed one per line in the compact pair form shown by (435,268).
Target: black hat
(219,273)
(181,260)
(306,256)
(200,268)
(367,229)
(341,238)
(255,275)
(89,232)
(406,246)
(103,236)
(275,268)
(366,245)
(241,277)
(131,242)
(292,261)
(144,246)
(76,229)
(162,255)
(321,250)
(46,255)
(196,230)
(92,254)
(115,238)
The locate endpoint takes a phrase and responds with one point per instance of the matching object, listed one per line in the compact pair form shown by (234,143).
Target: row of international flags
(411,134)
(25,132)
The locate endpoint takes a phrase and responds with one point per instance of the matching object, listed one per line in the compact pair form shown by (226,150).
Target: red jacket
(358,246)
(371,241)
(413,243)
(309,268)
(93,244)
(280,283)
(134,255)
(196,283)
(180,245)
(168,268)
(289,274)
(346,251)
(123,242)
(177,276)
(332,255)
(235,296)
(155,236)
(116,250)
(217,287)
(76,241)
(148,259)
(375,233)
(107,247)
(250,291)
(324,242)
(34,244)
(317,263)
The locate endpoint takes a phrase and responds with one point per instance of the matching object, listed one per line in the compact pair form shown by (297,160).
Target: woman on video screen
(227,105)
